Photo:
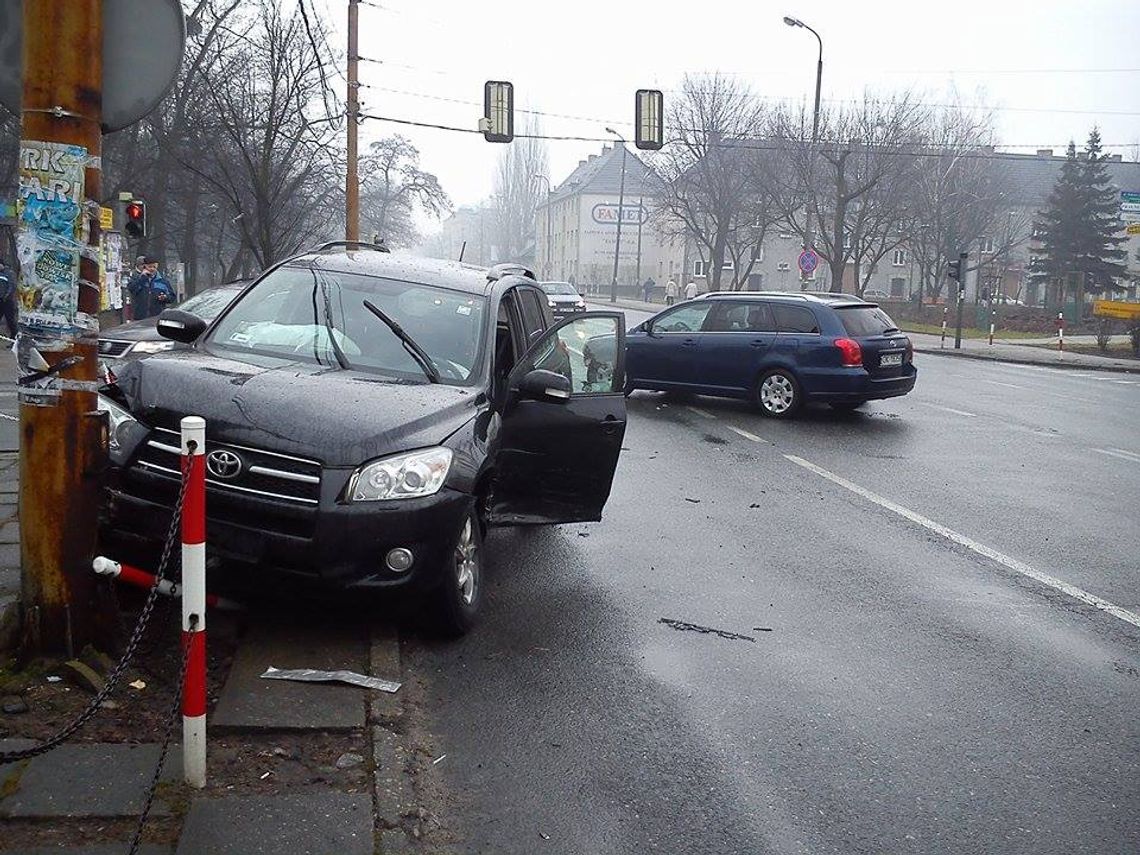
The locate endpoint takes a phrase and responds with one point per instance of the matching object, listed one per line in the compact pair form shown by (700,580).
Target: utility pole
(63,438)
(963,257)
(352,179)
(621,211)
(637,276)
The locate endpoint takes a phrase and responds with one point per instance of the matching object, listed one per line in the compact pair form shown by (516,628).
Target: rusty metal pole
(62,446)
(352,180)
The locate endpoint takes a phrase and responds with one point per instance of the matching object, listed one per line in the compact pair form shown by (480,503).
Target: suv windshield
(296,312)
(559,288)
(863,321)
(209,304)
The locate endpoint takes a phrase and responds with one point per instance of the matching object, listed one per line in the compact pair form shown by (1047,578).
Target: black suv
(367,417)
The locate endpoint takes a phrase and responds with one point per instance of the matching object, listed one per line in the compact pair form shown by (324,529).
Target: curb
(959,354)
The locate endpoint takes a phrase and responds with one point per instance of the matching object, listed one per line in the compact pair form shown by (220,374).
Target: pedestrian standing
(670,293)
(8,291)
(647,289)
(139,286)
(691,291)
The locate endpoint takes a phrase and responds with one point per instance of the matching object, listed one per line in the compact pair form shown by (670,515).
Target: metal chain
(113,678)
(175,708)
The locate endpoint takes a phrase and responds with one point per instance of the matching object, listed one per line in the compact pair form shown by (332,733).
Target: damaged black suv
(368,416)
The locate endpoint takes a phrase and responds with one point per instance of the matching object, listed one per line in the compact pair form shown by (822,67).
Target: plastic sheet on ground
(308,675)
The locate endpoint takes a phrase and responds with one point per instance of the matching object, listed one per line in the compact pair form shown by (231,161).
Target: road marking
(701,412)
(999,383)
(747,435)
(992,554)
(1126,382)
(947,409)
(1119,452)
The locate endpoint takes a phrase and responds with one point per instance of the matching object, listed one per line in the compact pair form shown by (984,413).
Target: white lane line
(1120,453)
(746,434)
(961,539)
(999,383)
(1126,382)
(701,412)
(947,409)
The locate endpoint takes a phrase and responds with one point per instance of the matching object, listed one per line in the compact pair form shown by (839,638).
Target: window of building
(899,258)
(898,286)
(726,264)
(783,266)
(786,235)
(700,267)
(987,244)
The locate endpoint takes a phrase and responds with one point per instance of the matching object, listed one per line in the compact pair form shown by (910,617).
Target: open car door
(562,425)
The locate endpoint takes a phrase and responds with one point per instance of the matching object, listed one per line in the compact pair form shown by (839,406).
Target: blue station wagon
(779,350)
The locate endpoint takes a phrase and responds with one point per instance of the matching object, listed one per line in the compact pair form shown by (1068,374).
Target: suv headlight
(152,346)
(403,476)
(120,420)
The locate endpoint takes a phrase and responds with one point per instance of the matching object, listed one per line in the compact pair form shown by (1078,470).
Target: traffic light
(136,219)
(498,122)
(649,119)
(954,269)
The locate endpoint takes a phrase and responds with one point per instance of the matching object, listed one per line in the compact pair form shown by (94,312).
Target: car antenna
(462,250)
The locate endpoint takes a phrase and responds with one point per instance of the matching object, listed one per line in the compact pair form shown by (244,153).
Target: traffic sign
(142,51)
(808,261)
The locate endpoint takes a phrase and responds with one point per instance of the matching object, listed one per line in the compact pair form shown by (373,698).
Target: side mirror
(548,386)
(180,326)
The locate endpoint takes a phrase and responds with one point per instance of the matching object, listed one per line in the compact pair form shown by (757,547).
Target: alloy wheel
(467,563)
(777,393)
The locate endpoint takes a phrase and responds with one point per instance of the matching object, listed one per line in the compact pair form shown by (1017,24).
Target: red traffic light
(134,210)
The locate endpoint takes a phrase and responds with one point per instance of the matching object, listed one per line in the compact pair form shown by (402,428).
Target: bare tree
(827,192)
(517,194)
(709,170)
(393,188)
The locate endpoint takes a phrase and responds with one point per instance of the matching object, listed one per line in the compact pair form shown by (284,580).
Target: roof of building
(1032,176)
(601,174)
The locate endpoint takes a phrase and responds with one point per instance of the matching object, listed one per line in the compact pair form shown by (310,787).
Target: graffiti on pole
(50,236)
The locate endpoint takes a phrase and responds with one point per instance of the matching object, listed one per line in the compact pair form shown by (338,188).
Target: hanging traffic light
(649,119)
(136,219)
(954,270)
(498,122)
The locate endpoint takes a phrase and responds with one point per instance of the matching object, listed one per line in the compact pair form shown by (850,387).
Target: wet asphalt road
(903,684)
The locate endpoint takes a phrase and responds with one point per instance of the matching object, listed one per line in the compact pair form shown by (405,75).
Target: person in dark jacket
(139,287)
(8,291)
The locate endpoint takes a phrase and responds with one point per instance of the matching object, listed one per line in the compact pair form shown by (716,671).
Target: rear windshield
(863,321)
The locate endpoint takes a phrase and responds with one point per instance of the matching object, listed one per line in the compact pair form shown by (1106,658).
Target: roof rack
(497,272)
(352,244)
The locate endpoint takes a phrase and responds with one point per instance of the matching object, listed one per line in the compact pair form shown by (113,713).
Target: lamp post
(621,210)
(796,22)
(549,262)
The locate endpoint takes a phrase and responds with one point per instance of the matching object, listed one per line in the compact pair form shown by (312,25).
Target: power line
(753,145)
(317,55)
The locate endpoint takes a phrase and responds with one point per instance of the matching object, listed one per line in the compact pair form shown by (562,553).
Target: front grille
(263,474)
(113,348)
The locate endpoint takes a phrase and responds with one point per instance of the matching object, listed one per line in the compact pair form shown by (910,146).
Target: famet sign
(606,213)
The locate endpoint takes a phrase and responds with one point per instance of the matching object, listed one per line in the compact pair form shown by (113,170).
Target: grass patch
(1116,349)
(967,332)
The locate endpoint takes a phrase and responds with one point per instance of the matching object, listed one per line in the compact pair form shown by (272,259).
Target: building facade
(576,228)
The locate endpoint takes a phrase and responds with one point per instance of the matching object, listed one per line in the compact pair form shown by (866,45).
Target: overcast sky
(1053,68)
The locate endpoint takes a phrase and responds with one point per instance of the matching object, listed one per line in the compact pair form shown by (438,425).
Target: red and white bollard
(992,317)
(194,601)
(143,579)
(1061,331)
(945,309)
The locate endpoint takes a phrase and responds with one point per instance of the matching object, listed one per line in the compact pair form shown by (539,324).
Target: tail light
(909,351)
(850,352)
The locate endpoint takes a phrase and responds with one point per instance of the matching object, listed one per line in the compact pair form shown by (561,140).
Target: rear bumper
(332,546)
(858,385)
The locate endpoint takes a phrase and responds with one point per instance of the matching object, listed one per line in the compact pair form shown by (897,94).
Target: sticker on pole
(808,261)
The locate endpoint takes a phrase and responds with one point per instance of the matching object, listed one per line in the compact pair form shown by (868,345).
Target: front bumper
(331,545)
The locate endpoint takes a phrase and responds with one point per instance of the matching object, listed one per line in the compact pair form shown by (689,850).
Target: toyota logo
(223,464)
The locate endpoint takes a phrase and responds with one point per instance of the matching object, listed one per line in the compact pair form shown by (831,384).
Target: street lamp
(621,210)
(549,261)
(796,22)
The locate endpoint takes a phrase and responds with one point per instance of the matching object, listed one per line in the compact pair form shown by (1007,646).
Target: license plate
(888,359)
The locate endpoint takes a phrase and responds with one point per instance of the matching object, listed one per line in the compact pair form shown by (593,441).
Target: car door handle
(689,342)
(610,425)
(759,342)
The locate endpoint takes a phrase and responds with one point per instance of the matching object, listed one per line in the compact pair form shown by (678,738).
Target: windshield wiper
(417,352)
(341,359)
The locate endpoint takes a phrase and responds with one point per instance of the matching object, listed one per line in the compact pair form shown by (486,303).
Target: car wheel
(461,590)
(778,394)
(846,406)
